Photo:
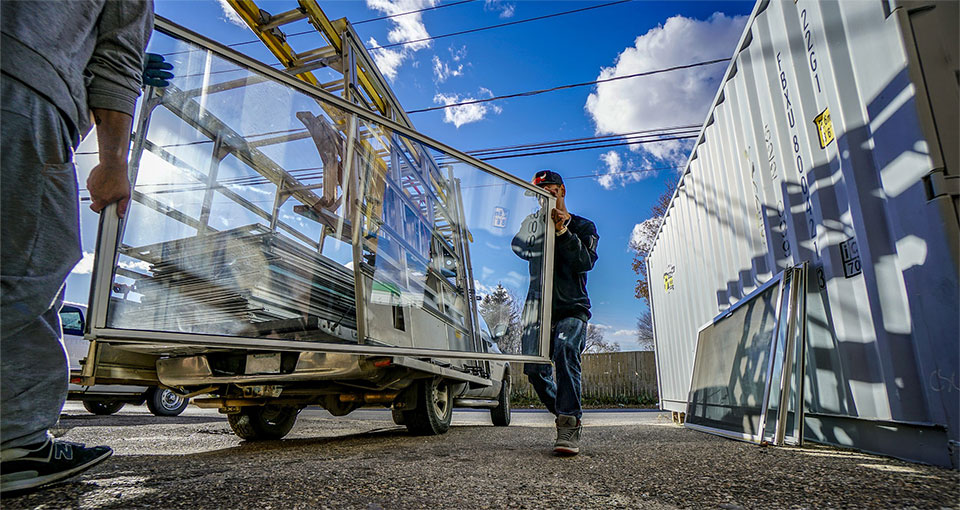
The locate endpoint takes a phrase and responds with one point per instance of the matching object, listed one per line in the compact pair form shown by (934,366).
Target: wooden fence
(617,377)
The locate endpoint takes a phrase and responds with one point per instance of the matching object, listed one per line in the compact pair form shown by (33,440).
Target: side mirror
(499,330)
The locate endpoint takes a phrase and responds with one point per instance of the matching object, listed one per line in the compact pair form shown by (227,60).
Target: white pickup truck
(106,399)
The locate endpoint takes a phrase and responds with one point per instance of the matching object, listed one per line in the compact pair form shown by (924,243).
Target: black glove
(155,70)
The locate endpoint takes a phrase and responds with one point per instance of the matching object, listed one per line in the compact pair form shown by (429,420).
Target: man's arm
(578,251)
(116,70)
(108,181)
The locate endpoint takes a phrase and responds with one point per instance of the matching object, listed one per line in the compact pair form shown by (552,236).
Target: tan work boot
(568,435)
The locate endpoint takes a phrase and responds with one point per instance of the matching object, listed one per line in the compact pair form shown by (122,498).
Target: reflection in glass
(730,371)
(260,211)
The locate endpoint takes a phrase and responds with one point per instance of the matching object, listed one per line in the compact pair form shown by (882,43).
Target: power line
(410,12)
(589,138)
(573,85)
(501,25)
(505,152)
(305,32)
(600,146)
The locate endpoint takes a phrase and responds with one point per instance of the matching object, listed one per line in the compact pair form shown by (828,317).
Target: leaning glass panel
(731,367)
(781,346)
(438,236)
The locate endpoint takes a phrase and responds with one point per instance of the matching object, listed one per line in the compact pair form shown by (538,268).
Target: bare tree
(642,240)
(502,307)
(596,343)
(645,331)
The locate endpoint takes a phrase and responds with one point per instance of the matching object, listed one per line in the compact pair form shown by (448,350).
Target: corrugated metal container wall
(832,141)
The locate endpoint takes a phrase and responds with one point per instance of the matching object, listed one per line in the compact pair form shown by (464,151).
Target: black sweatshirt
(575,253)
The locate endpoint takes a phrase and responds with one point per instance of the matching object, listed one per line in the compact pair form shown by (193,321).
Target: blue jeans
(568,339)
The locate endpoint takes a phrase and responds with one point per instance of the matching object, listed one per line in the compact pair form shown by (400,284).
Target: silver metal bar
(319,53)
(216,156)
(772,354)
(283,18)
(173,339)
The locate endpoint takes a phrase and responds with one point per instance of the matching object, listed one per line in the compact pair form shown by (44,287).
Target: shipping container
(832,141)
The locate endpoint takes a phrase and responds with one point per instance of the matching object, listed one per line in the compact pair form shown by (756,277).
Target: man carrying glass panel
(65,66)
(575,253)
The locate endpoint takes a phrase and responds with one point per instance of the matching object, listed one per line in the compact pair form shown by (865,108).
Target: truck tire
(102,407)
(397,416)
(434,409)
(164,402)
(500,415)
(260,423)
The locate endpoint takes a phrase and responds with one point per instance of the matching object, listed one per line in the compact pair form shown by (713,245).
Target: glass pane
(731,364)
(776,375)
(436,232)
(793,430)
(242,221)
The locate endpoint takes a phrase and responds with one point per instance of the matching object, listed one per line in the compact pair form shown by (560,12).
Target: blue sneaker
(32,466)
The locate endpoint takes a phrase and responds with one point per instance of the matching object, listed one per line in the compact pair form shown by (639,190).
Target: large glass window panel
(731,367)
(257,204)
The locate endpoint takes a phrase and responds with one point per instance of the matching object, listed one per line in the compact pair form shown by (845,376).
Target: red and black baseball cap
(544,177)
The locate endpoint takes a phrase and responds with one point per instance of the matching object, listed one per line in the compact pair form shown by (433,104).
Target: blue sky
(585,46)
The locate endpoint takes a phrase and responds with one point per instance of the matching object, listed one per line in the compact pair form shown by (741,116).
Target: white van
(106,399)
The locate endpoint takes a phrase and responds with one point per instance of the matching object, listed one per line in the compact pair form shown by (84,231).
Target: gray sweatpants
(39,245)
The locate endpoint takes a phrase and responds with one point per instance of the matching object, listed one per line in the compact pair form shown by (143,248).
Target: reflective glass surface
(731,367)
(256,205)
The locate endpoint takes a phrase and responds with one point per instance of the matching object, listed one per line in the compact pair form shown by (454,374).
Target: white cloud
(602,327)
(85,266)
(618,171)
(668,99)
(506,9)
(465,114)
(641,238)
(612,160)
(405,28)
(443,70)
(230,15)
(388,60)
(625,332)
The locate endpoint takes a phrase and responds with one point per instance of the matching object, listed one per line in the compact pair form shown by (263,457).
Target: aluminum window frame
(111,230)
(791,284)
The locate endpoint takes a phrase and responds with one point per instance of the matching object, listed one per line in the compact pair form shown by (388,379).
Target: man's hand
(560,218)
(108,181)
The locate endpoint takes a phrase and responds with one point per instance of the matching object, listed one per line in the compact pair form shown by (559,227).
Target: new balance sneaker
(32,466)
(568,435)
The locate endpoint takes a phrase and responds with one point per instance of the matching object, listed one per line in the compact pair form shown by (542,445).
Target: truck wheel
(500,415)
(434,409)
(397,416)
(102,407)
(257,423)
(164,402)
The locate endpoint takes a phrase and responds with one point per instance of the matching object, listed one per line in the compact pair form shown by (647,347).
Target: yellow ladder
(362,82)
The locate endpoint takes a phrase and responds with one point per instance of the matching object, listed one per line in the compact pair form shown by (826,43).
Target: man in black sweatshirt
(575,253)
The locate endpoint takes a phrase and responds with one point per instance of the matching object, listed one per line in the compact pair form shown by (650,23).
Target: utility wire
(523,150)
(451,4)
(585,140)
(305,32)
(601,146)
(573,85)
(501,25)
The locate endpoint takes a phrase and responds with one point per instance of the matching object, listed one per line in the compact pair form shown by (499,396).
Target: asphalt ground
(630,459)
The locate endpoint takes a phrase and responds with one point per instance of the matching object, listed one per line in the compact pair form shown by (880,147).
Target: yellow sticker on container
(824,127)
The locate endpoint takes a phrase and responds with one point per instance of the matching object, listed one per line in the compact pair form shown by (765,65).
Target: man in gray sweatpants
(63,65)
